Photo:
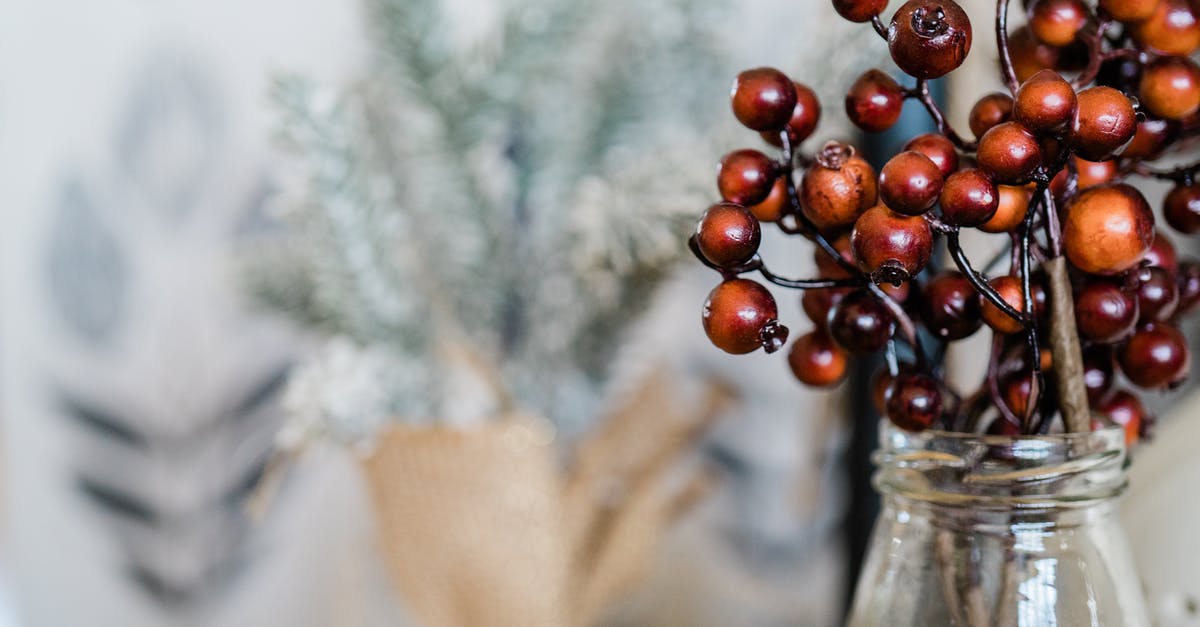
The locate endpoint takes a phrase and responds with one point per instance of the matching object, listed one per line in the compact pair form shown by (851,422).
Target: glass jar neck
(978,478)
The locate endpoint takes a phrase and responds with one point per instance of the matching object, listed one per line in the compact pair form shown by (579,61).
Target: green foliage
(518,190)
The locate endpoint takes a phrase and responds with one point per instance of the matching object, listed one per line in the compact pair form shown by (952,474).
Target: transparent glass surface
(997,530)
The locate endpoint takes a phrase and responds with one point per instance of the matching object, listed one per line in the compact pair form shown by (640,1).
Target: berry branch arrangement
(1098,94)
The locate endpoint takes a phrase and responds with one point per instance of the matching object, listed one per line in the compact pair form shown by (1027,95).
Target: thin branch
(903,321)
(1006,65)
(877,23)
(921,92)
(979,283)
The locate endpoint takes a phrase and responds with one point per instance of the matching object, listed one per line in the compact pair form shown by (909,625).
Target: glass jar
(997,530)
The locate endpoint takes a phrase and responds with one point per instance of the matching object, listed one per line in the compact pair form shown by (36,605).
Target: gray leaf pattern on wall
(168,141)
(170,484)
(88,279)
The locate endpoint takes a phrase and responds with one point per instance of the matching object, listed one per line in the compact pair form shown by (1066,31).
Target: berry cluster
(1095,95)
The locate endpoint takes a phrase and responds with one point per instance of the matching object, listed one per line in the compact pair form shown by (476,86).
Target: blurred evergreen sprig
(519,194)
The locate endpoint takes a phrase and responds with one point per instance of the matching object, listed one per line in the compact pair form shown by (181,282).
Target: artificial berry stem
(921,93)
(1094,40)
(981,285)
(904,322)
(1037,383)
(1006,63)
(806,284)
(879,26)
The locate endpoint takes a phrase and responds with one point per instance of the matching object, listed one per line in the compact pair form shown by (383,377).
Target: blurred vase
(996,530)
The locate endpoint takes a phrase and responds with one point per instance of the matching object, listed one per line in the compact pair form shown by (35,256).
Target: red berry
(763,99)
(1188,281)
(989,111)
(950,307)
(859,10)
(1171,29)
(1156,356)
(1181,208)
(1057,22)
(938,148)
(817,361)
(1157,294)
(746,176)
(727,235)
(818,303)
(1170,87)
(1104,313)
(837,188)
(860,323)
(1162,253)
(929,38)
(1010,211)
(914,401)
(736,313)
(772,208)
(909,183)
(890,246)
(1108,229)
(1010,291)
(969,198)
(1126,411)
(1129,10)
(1045,103)
(1104,121)
(805,116)
(1030,55)
(874,101)
(1097,373)
(1150,139)
(1009,153)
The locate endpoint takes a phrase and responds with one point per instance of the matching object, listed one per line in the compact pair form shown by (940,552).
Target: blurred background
(302,300)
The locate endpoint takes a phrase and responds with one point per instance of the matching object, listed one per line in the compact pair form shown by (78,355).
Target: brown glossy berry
(1157,294)
(805,117)
(1155,357)
(1129,10)
(1087,174)
(1104,121)
(969,198)
(1057,22)
(1030,55)
(859,10)
(989,111)
(1181,208)
(817,361)
(1162,253)
(1126,411)
(914,401)
(890,246)
(1172,29)
(860,323)
(745,177)
(950,307)
(818,303)
(1104,313)
(1009,153)
(1097,373)
(1108,229)
(1045,103)
(874,101)
(1009,289)
(1150,139)
(1170,87)
(909,183)
(929,38)
(727,235)
(763,99)
(837,188)
(774,205)
(938,148)
(736,313)
(1188,281)
(1016,390)
(1010,211)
